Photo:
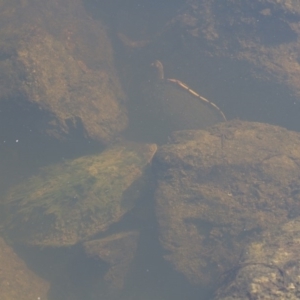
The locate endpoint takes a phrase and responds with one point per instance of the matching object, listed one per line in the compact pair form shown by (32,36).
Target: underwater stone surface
(268,269)
(218,189)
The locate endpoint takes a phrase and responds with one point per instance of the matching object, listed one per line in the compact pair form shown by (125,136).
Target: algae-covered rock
(263,33)
(17,281)
(262,36)
(219,188)
(59,62)
(268,269)
(70,202)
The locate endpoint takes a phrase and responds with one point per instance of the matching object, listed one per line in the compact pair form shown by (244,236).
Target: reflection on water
(241,89)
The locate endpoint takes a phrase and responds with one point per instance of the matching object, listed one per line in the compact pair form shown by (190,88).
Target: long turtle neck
(159,69)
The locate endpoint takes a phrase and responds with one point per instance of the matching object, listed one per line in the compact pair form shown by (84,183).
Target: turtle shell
(70,202)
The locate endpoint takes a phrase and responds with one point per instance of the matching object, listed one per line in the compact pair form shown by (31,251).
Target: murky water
(226,81)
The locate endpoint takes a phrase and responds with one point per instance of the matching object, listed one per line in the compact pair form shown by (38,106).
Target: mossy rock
(70,202)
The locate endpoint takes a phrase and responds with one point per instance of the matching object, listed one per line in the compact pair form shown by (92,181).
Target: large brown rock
(61,62)
(219,188)
(268,269)
(17,281)
(263,33)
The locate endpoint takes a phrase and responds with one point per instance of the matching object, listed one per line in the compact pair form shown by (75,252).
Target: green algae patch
(70,202)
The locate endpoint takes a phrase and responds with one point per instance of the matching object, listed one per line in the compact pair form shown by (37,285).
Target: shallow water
(233,84)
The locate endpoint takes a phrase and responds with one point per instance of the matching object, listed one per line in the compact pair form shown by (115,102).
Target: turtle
(174,106)
(71,202)
(75,202)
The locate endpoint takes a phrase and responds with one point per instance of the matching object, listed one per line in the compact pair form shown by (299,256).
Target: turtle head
(159,68)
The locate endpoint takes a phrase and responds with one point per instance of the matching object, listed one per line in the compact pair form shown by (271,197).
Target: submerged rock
(268,269)
(219,188)
(17,281)
(58,65)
